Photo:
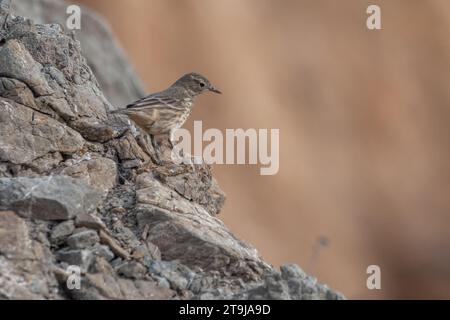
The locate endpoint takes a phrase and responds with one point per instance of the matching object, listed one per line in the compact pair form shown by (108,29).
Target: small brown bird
(165,111)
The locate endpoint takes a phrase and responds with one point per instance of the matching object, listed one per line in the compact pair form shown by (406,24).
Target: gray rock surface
(76,257)
(25,264)
(100,173)
(119,84)
(175,223)
(47,198)
(83,240)
(135,230)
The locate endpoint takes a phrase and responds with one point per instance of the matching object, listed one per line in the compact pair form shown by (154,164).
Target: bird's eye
(202,84)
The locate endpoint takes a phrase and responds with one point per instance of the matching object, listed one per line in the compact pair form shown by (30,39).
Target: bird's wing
(155,101)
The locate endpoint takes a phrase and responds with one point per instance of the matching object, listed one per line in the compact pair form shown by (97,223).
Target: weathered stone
(28,135)
(272,289)
(103,251)
(50,102)
(196,185)
(128,149)
(13,232)
(61,231)
(25,265)
(130,164)
(147,251)
(291,284)
(153,250)
(5,6)
(162,282)
(186,232)
(18,91)
(115,247)
(290,271)
(103,283)
(120,83)
(149,290)
(132,270)
(83,239)
(118,210)
(17,63)
(47,198)
(94,131)
(178,275)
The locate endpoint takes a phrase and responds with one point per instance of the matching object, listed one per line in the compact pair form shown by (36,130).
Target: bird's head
(195,83)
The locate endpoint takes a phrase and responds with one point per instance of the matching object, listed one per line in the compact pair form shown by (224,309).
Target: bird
(166,111)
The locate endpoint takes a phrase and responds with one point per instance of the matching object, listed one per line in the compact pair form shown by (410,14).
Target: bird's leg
(177,155)
(171,137)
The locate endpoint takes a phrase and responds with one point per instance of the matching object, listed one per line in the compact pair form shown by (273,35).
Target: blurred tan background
(364,126)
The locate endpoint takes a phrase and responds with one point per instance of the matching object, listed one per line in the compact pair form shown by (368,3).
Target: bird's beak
(214,90)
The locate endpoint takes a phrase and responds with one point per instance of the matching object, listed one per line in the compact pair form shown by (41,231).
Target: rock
(128,149)
(5,6)
(116,262)
(63,157)
(18,92)
(118,211)
(150,290)
(153,250)
(28,135)
(80,258)
(273,289)
(115,247)
(291,284)
(49,63)
(94,131)
(132,270)
(61,231)
(162,282)
(47,198)
(103,251)
(83,240)
(196,185)
(186,232)
(25,265)
(89,221)
(292,271)
(17,63)
(146,253)
(120,84)
(100,173)
(131,164)
(140,252)
(176,274)
(13,231)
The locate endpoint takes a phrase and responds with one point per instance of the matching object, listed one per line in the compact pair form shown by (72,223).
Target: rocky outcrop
(82,200)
